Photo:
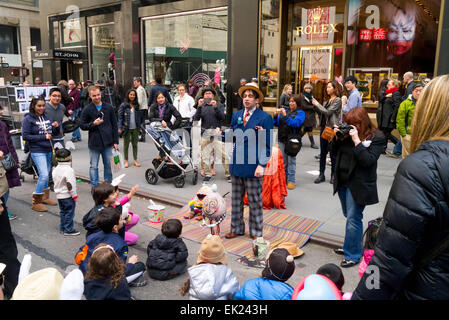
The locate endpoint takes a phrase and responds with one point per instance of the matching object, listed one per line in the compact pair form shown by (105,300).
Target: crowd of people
(408,244)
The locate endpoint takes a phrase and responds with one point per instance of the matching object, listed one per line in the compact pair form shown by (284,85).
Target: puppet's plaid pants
(253,188)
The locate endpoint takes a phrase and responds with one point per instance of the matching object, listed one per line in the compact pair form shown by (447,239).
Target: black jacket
(167,257)
(100,289)
(415,220)
(390,108)
(309,110)
(210,117)
(104,135)
(169,111)
(361,162)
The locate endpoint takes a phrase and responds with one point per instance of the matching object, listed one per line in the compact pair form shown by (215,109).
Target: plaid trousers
(253,188)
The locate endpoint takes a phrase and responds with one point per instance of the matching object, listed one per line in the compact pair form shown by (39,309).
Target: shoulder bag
(8,161)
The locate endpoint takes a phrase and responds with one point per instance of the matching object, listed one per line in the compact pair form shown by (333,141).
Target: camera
(207,100)
(344,130)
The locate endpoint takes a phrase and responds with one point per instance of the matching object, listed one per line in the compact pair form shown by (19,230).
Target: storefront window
(183,47)
(269,48)
(56,40)
(388,38)
(73,32)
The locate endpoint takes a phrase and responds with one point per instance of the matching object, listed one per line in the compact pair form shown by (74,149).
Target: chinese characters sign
(378,34)
(316,62)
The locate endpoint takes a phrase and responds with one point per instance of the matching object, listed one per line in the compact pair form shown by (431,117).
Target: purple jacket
(6,146)
(74,105)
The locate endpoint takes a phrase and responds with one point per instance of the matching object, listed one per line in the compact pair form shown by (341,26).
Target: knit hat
(44,284)
(212,250)
(208,89)
(280,265)
(63,155)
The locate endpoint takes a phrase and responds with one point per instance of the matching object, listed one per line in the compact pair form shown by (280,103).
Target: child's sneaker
(12,216)
(139,282)
(72,233)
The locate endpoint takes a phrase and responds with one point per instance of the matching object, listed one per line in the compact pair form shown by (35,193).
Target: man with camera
(211,113)
(99,119)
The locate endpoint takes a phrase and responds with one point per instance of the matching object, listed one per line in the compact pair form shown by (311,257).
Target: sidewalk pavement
(307,199)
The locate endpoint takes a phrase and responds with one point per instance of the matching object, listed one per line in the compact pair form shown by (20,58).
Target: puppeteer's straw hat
(292,248)
(44,284)
(251,86)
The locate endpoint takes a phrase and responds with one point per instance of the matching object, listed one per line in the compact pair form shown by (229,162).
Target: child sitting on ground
(105,278)
(335,274)
(104,197)
(109,221)
(280,266)
(370,236)
(210,278)
(130,217)
(65,188)
(167,253)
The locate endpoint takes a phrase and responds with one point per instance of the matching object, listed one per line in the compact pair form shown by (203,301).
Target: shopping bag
(117,162)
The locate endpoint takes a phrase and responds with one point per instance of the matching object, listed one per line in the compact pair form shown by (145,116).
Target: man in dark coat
(74,108)
(99,119)
(158,87)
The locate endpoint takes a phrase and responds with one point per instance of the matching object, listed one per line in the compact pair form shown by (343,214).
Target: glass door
(102,52)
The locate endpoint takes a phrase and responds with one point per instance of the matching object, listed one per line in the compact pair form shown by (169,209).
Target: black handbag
(8,161)
(293,144)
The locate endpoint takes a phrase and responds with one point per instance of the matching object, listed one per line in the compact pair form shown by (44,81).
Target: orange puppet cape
(274,186)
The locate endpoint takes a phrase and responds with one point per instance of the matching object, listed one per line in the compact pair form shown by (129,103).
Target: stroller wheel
(195,177)
(179,182)
(151,176)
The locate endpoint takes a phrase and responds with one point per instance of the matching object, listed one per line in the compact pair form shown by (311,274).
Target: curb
(319,238)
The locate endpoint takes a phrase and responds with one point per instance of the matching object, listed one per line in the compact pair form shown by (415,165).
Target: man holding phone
(211,113)
(99,119)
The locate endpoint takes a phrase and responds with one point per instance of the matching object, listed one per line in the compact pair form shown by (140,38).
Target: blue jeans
(76,135)
(67,212)
(352,247)
(398,148)
(106,155)
(43,164)
(289,165)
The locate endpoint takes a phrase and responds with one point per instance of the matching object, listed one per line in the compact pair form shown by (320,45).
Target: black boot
(320,178)
(312,143)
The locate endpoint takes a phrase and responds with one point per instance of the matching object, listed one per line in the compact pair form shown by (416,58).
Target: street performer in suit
(252,133)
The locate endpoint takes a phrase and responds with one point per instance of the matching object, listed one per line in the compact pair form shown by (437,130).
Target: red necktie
(245,118)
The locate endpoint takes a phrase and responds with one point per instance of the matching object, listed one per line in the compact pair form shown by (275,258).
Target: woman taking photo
(390,104)
(289,122)
(284,100)
(357,150)
(6,146)
(330,115)
(37,130)
(163,110)
(307,107)
(412,247)
(129,123)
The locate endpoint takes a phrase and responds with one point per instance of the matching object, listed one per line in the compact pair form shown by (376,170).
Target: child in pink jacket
(131,218)
(370,242)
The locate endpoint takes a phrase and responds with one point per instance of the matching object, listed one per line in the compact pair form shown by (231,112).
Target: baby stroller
(27,166)
(173,161)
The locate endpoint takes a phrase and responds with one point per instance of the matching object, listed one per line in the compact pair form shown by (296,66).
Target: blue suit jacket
(251,147)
